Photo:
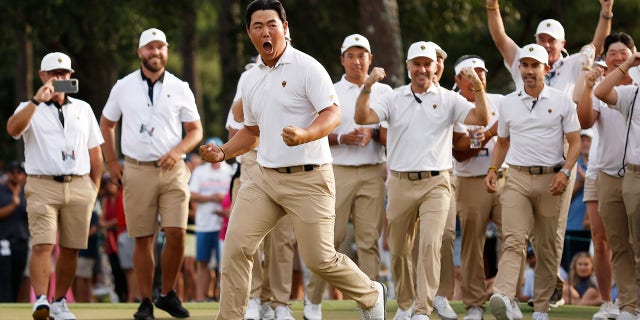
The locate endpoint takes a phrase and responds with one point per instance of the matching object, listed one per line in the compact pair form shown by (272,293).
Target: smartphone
(66,86)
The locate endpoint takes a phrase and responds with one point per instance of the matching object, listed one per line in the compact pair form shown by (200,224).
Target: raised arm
(586,115)
(604,91)
(603,29)
(364,114)
(507,47)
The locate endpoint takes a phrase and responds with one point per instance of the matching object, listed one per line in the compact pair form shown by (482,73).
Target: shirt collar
(543,94)
(55,103)
(144,78)
(285,58)
(432,90)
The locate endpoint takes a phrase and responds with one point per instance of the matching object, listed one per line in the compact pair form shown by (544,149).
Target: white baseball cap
(152,34)
(439,50)
(421,49)
(473,62)
(55,61)
(355,40)
(534,51)
(552,28)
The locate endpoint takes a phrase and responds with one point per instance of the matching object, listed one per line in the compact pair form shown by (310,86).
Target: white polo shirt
(536,135)
(478,165)
(45,139)
(208,181)
(289,94)
(349,155)
(420,135)
(150,130)
(562,76)
(626,95)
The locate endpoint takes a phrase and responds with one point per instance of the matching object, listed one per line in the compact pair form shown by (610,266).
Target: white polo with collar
(628,101)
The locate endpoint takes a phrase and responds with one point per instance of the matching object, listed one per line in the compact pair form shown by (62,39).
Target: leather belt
(417,175)
(633,167)
(534,170)
(59,178)
(141,163)
(296,169)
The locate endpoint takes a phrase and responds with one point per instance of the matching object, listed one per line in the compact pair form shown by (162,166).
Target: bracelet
(606,17)
(34,101)
(224,155)
(477,89)
(338,138)
(365,90)
(496,7)
(621,70)
(492,168)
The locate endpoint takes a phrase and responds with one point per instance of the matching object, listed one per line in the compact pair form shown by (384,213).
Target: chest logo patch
(435,105)
(549,110)
(284,83)
(493,113)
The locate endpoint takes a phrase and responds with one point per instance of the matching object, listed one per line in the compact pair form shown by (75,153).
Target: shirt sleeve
(112,109)
(189,111)
(319,87)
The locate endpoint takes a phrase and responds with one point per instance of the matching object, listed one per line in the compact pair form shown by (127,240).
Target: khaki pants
(360,196)
(476,208)
(617,229)
(427,200)
(309,199)
(631,196)
(527,204)
(447,264)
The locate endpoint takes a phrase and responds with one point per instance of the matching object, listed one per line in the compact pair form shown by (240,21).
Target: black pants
(12,266)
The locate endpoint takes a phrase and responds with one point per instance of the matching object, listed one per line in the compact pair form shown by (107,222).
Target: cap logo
(530,49)
(153,33)
(59,60)
(549,24)
(357,38)
(422,48)
(284,83)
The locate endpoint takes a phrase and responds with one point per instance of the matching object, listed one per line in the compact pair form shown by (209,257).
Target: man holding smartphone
(155,107)
(63,161)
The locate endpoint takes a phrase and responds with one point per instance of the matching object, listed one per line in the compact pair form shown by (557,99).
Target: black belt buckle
(308,167)
(62,179)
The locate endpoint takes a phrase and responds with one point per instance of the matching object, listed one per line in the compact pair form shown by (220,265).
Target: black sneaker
(172,305)
(145,310)
(556,299)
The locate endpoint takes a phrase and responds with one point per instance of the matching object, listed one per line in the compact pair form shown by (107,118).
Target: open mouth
(267,47)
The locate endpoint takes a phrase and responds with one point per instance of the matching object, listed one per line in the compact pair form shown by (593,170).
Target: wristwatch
(566,172)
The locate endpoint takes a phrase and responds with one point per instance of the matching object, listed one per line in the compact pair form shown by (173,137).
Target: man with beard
(153,104)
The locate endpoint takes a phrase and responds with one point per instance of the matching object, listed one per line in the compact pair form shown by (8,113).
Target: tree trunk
(23,71)
(190,51)
(231,32)
(379,20)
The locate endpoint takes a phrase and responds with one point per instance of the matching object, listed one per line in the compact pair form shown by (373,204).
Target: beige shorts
(590,190)
(150,191)
(85,267)
(62,208)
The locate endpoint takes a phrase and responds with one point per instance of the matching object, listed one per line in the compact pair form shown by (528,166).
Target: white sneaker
(41,308)
(60,311)
(540,316)
(312,311)
(420,317)
(283,313)
(608,310)
(403,314)
(500,307)
(626,315)
(266,313)
(474,313)
(516,314)
(441,304)
(253,309)
(379,310)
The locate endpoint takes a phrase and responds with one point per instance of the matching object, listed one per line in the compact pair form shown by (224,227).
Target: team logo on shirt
(332,97)
(435,105)
(493,113)
(549,110)
(284,83)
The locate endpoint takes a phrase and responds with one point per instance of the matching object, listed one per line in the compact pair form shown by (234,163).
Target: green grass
(332,310)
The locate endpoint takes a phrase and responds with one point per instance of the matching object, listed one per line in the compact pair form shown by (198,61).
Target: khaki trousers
(309,199)
(447,264)
(425,200)
(528,205)
(476,208)
(617,229)
(360,196)
(277,249)
(631,196)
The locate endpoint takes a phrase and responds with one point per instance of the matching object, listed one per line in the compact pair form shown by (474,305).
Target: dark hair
(618,37)
(265,5)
